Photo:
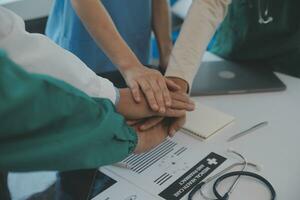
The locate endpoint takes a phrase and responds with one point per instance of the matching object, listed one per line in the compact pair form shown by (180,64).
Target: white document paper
(170,170)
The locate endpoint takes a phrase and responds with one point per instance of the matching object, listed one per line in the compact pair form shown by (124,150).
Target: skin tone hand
(99,24)
(151,137)
(153,85)
(175,123)
(132,110)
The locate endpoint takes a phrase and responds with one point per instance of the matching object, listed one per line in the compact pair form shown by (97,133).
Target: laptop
(225,77)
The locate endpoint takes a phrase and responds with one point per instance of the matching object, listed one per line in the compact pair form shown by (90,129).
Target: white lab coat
(38,54)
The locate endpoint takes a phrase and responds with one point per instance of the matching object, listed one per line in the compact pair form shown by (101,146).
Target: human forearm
(101,27)
(200,24)
(138,78)
(161,25)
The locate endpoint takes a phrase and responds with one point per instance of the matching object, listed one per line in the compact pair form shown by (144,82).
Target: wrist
(126,65)
(139,145)
(165,48)
(183,84)
(130,109)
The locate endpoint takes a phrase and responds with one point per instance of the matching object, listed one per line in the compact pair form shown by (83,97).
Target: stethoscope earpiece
(263,16)
(265,21)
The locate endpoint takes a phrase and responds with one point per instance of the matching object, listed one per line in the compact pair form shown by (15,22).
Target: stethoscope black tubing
(235,173)
(243,173)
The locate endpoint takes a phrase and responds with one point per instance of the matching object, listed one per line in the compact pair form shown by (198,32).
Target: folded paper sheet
(205,121)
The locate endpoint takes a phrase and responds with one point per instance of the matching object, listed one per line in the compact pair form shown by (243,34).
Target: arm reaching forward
(200,24)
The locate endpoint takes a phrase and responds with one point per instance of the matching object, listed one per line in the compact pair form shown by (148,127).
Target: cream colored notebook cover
(205,121)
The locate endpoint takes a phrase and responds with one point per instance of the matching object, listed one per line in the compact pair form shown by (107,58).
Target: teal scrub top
(131,17)
(46,124)
(277,44)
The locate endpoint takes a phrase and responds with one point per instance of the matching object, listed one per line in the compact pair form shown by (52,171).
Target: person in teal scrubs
(46,124)
(262,31)
(112,34)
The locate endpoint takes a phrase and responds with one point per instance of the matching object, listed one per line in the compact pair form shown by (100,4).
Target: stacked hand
(163,126)
(154,86)
(159,111)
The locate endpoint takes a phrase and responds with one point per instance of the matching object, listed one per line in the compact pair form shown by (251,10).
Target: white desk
(276,146)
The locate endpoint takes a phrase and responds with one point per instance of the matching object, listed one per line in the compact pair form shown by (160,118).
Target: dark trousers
(115,77)
(75,185)
(4,192)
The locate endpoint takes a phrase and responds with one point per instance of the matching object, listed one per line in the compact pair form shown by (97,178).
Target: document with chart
(169,171)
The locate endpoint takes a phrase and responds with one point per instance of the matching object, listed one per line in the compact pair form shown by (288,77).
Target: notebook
(205,121)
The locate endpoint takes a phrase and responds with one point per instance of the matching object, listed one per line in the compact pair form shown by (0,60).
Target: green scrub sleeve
(46,124)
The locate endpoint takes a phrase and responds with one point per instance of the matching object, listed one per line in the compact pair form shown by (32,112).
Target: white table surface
(276,147)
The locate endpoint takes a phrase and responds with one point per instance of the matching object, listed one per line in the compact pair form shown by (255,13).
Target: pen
(253,128)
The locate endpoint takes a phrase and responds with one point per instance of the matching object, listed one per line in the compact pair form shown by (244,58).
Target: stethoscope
(264,16)
(222,175)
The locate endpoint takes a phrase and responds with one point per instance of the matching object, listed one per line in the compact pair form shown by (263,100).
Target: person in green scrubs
(262,31)
(46,124)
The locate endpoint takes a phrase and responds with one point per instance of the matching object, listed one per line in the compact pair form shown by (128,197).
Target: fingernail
(168,103)
(155,106)
(162,110)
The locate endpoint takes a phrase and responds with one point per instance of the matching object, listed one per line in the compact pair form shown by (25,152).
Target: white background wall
(28,9)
